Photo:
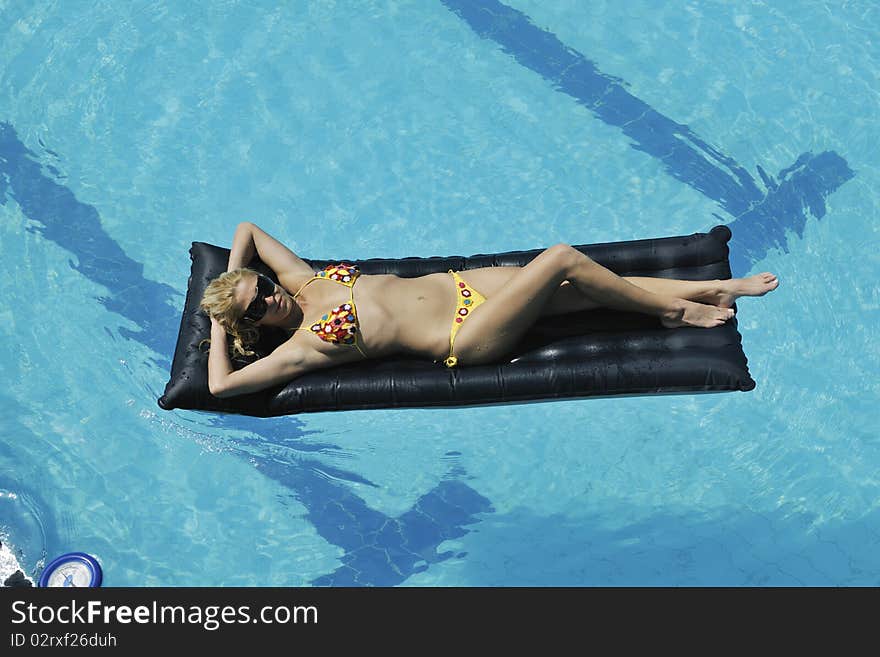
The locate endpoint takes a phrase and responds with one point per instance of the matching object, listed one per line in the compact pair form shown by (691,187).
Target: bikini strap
(313,278)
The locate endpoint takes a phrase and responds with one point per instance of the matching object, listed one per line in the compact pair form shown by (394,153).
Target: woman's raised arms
(281,365)
(250,239)
(284,364)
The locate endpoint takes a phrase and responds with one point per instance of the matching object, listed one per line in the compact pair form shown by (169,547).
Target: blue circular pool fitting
(75,569)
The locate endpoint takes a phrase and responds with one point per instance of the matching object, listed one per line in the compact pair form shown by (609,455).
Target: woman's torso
(395,315)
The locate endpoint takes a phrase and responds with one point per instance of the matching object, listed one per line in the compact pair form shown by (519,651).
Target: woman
(433,316)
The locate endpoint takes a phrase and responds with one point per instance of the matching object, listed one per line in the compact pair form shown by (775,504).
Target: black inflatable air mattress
(595,353)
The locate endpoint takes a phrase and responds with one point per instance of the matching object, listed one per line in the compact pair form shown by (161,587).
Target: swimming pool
(383,129)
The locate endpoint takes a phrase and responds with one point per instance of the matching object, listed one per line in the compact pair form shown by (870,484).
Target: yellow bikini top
(339,325)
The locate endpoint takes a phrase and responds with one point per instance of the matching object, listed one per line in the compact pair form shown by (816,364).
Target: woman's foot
(752,286)
(688,313)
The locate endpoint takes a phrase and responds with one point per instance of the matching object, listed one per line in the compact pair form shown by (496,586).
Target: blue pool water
(384,129)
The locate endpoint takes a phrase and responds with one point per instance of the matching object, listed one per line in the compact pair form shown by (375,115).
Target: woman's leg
(722,293)
(569,298)
(704,291)
(496,326)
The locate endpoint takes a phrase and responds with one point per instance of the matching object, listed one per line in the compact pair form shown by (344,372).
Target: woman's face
(262,301)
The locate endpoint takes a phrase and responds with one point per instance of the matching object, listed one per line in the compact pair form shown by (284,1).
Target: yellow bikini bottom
(467,298)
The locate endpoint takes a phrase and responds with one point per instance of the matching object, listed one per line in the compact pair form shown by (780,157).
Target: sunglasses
(258,307)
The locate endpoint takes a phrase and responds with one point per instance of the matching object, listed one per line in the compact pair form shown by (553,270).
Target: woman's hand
(218,334)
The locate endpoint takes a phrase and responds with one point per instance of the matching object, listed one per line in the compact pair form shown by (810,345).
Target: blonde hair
(220,303)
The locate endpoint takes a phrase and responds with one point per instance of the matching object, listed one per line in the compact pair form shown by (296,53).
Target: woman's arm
(283,364)
(250,239)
